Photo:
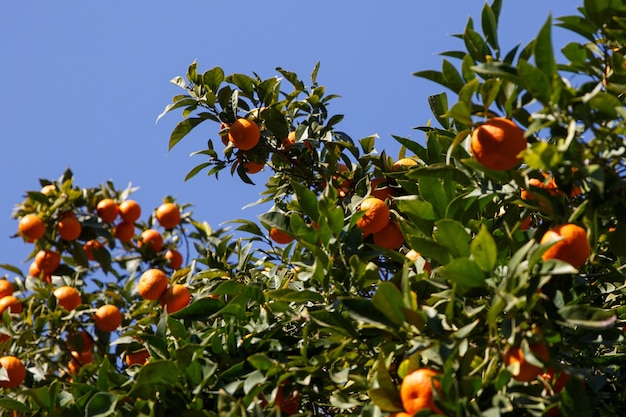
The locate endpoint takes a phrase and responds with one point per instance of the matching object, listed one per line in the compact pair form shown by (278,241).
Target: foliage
(332,321)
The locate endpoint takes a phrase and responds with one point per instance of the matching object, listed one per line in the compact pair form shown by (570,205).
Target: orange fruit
(34,271)
(69,228)
(573,248)
(80,341)
(417,391)
(537,183)
(108,318)
(175,298)
(403,164)
(497,143)
(523,370)
(380,189)
(280,236)
(78,360)
(31,227)
(252,167)
(174,258)
(151,238)
(168,215)
(289,404)
(152,284)
(108,210)
(137,358)
(289,140)
(124,231)
(376,215)
(12,303)
(130,211)
(390,237)
(400,414)
(6,288)
(16,371)
(244,134)
(47,261)
(67,297)
(90,246)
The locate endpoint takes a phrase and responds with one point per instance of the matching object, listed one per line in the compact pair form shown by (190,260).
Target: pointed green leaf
(464,272)
(101,405)
(490,26)
(452,235)
(182,129)
(544,55)
(484,250)
(388,299)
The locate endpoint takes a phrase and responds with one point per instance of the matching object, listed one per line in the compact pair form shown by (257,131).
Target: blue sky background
(81,83)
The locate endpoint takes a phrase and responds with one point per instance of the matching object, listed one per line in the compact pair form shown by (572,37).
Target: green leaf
(451,77)
(542,155)
(484,250)
(7,403)
(364,310)
(464,272)
(307,200)
(535,81)
(213,78)
(388,299)
(431,189)
(102,404)
(605,105)
(261,361)
(439,106)
(156,372)
(249,292)
(489,24)
(199,309)
(497,69)
(588,317)
(452,235)
(475,44)
(182,129)
(295,296)
(544,55)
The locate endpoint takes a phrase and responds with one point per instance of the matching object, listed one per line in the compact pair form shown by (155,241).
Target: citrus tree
(479,274)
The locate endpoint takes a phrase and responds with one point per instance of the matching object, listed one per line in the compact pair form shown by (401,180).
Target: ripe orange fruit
(80,341)
(67,297)
(390,237)
(289,140)
(78,360)
(244,134)
(16,371)
(130,211)
(175,298)
(6,288)
(124,231)
(108,210)
(523,370)
(280,236)
(289,404)
(376,215)
(151,238)
(417,391)
(69,227)
(496,144)
(174,258)
(137,358)
(168,215)
(152,284)
(380,189)
(252,167)
(12,303)
(536,182)
(47,260)
(108,318)
(31,227)
(400,414)
(34,271)
(573,248)
(403,164)
(90,246)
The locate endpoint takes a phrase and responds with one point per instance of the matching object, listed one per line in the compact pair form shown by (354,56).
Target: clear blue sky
(81,83)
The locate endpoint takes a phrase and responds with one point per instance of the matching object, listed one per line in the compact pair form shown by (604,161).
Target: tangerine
(31,227)
(376,215)
(108,318)
(130,211)
(280,236)
(6,287)
(152,238)
(47,260)
(497,143)
(139,357)
(152,284)
(79,359)
(124,231)
(69,228)
(90,246)
(12,303)
(380,189)
(80,341)
(289,140)
(244,134)
(417,391)
(522,370)
(168,215)
(67,297)
(16,371)
(108,210)
(391,237)
(252,167)
(573,247)
(175,298)
(174,258)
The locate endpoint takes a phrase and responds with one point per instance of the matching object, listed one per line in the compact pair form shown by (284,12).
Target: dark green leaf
(452,235)
(199,309)
(388,299)
(464,272)
(101,405)
(439,106)
(489,24)
(182,129)
(588,317)
(544,55)
(307,200)
(484,250)
(213,78)
(451,77)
